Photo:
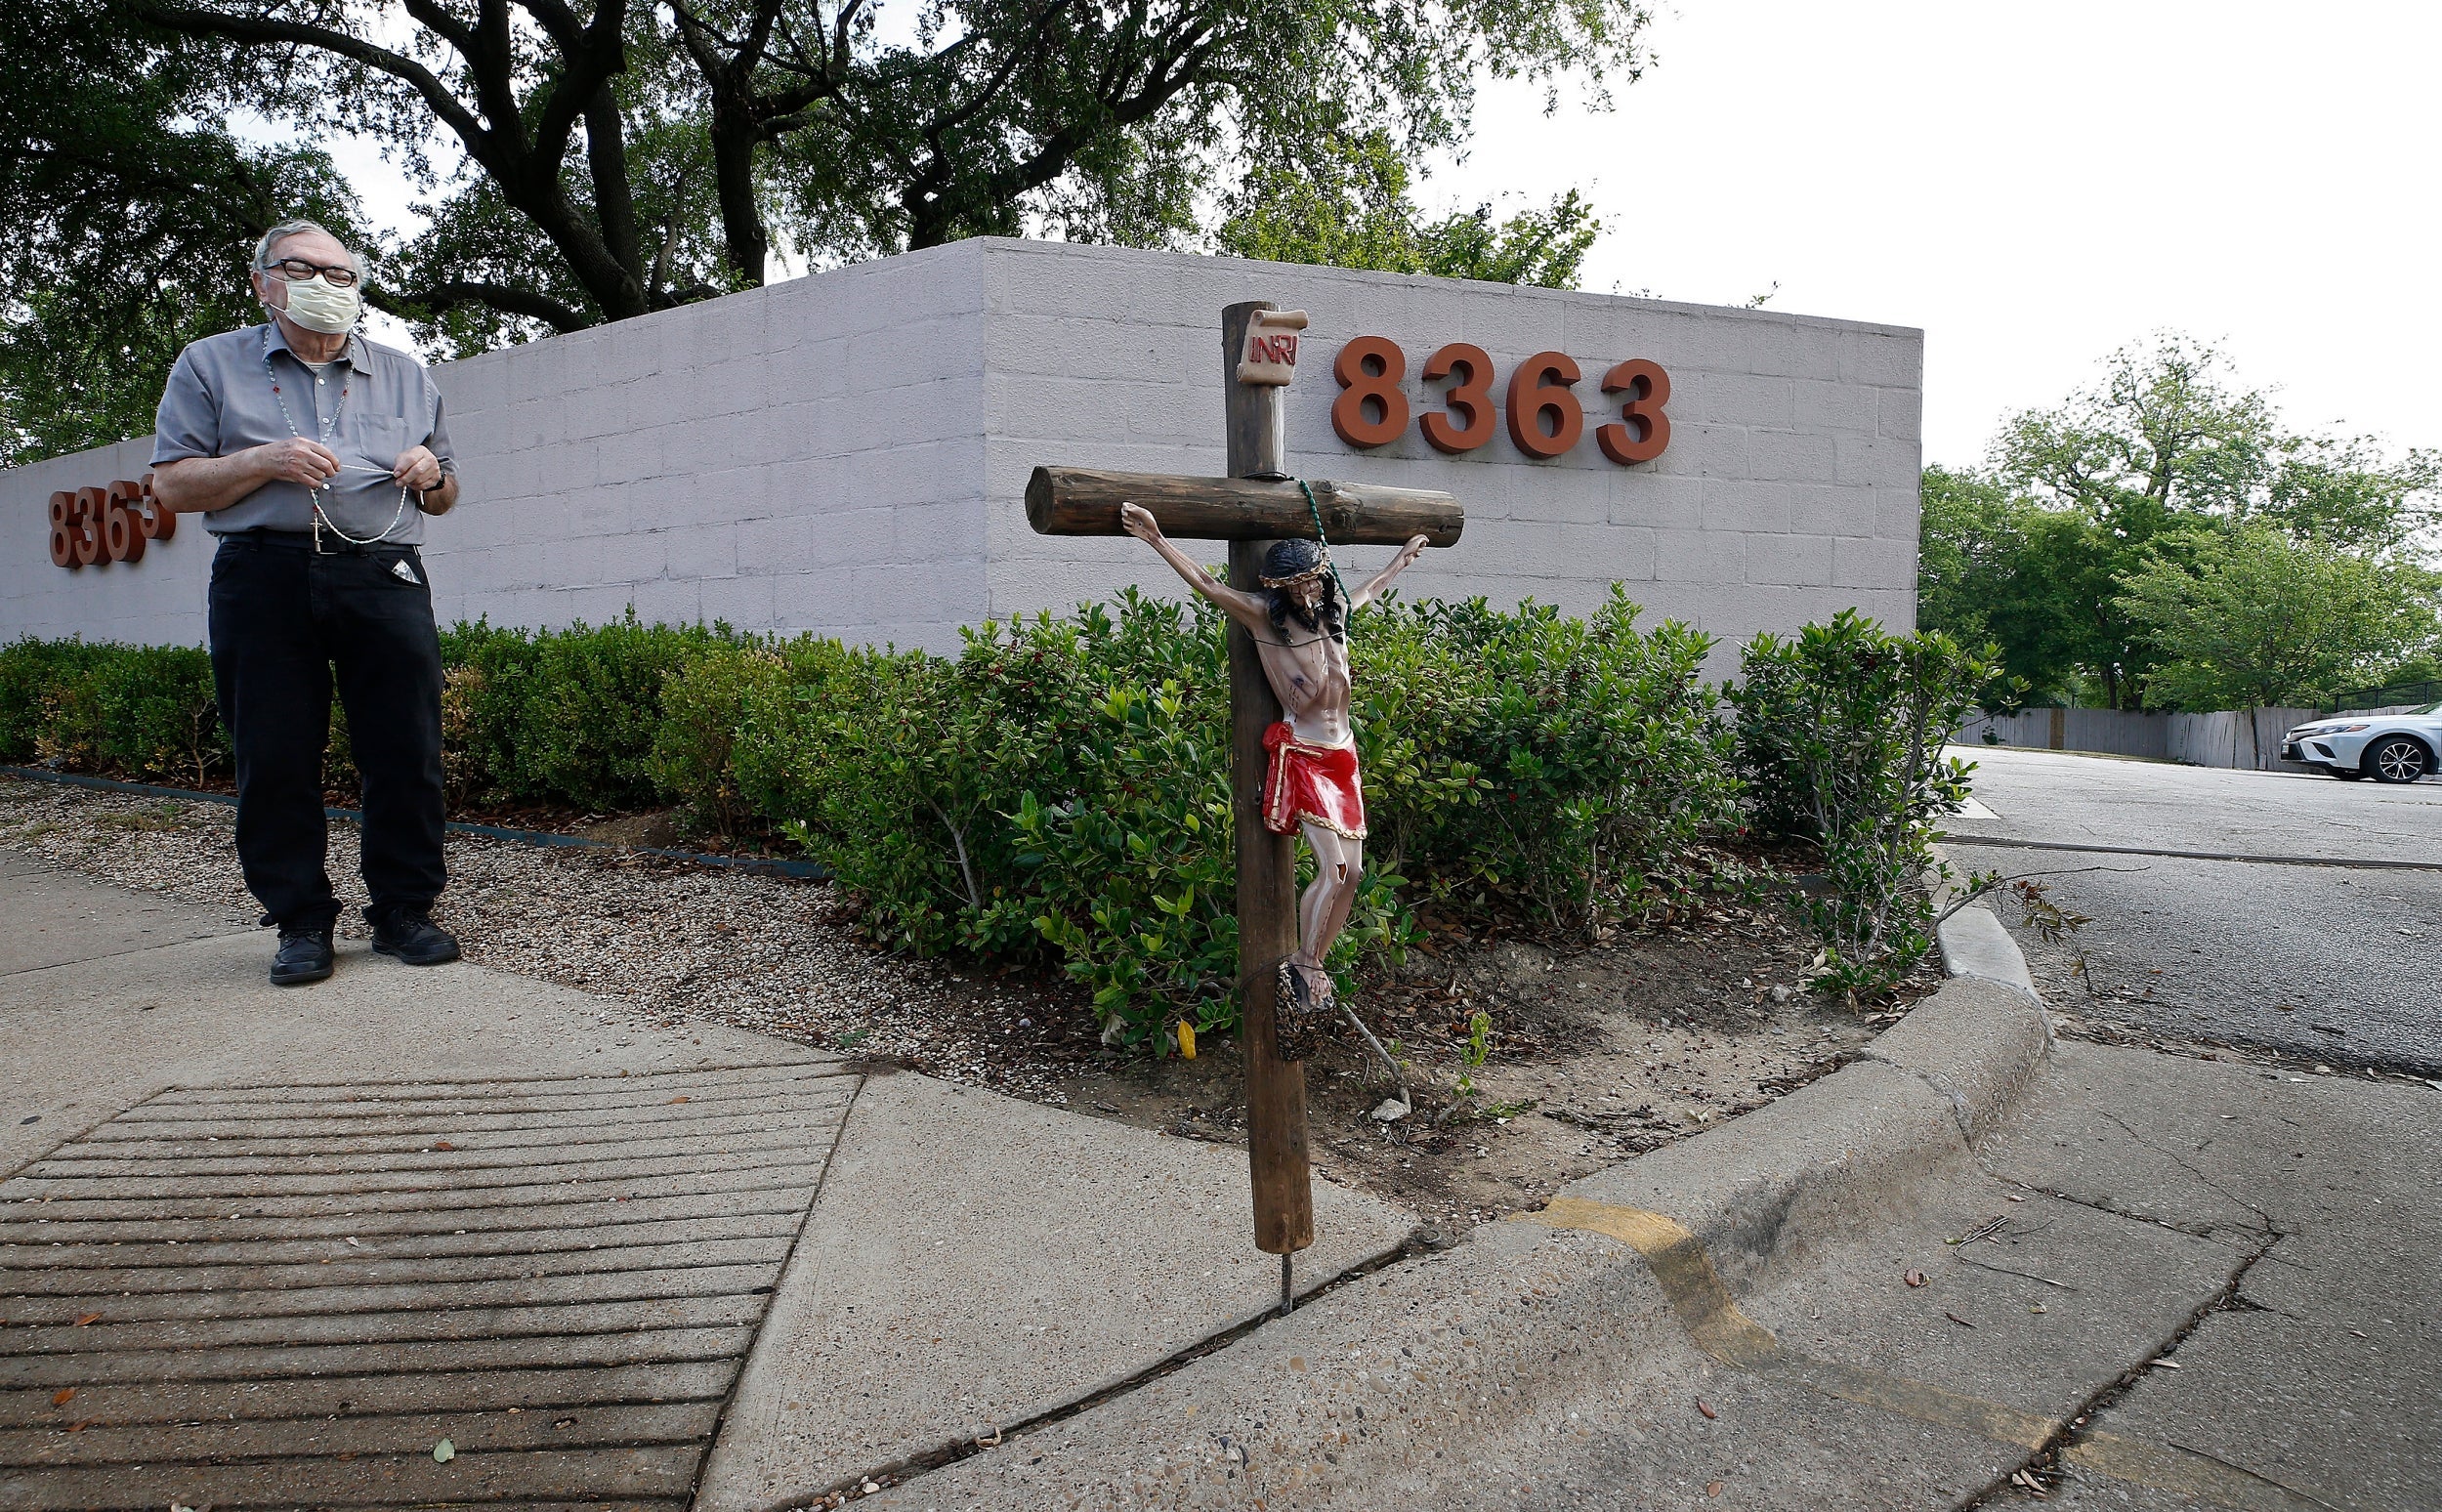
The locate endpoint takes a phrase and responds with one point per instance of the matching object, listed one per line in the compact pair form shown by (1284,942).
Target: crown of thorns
(1294,562)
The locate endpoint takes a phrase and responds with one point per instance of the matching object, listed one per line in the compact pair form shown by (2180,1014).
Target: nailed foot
(1306,1000)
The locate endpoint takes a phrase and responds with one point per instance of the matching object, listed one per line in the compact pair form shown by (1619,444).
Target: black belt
(330,545)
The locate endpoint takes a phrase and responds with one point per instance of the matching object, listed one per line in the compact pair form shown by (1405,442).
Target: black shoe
(413,938)
(304,955)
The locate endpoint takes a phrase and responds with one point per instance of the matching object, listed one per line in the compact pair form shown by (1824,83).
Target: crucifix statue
(1287,647)
(1298,621)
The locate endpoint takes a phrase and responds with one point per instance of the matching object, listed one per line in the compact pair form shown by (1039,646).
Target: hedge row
(1059,790)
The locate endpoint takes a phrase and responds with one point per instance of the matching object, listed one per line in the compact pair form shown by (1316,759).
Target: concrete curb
(1975,945)
(1349,1401)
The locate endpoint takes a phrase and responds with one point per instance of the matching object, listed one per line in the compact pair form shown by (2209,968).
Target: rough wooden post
(1266,864)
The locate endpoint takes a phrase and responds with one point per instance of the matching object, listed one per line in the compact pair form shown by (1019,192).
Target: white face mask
(319,307)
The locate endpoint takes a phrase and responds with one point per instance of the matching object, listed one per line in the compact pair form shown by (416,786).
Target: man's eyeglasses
(297,270)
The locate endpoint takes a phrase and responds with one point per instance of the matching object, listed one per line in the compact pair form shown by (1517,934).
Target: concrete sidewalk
(265,1247)
(2152,1282)
(268,1248)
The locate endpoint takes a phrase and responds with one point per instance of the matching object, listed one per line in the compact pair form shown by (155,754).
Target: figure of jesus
(1300,630)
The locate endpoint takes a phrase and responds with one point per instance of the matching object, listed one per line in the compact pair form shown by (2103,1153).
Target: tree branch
(248,28)
(443,295)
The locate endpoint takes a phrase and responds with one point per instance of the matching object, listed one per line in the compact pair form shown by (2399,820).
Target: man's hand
(1138,521)
(417,469)
(297,460)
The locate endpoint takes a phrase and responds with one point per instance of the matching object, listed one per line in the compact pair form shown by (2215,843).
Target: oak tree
(625,155)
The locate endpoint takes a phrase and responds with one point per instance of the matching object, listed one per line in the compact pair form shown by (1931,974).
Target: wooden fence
(2227,738)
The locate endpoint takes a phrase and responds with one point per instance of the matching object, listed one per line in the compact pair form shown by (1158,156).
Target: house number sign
(96,526)
(1543,416)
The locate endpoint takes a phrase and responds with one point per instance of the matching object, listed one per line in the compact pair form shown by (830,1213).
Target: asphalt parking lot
(2284,948)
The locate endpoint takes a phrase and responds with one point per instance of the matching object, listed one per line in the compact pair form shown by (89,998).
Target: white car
(2388,747)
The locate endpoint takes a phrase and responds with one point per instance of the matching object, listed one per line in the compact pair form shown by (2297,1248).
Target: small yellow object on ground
(1187,1041)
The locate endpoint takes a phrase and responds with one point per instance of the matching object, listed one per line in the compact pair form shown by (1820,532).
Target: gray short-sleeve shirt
(219,401)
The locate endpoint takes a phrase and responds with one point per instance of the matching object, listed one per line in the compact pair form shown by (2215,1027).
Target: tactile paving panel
(288,1296)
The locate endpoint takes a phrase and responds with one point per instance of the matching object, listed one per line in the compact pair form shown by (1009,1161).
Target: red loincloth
(1310,781)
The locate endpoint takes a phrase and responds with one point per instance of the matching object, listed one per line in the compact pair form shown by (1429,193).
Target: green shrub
(488,678)
(1841,731)
(590,707)
(1059,790)
(1124,841)
(774,759)
(30,672)
(132,711)
(1530,760)
(561,716)
(707,701)
(1062,786)
(339,755)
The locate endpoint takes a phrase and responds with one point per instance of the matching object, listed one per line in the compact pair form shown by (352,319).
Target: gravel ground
(668,941)
(1596,1055)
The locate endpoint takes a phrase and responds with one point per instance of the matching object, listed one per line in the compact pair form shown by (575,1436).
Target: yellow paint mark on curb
(1913,1398)
(1716,1324)
(1688,1278)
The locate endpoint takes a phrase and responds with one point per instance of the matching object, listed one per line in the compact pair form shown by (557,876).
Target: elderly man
(314,454)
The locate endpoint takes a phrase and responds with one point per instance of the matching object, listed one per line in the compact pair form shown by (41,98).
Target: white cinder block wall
(1788,493)
(847,455)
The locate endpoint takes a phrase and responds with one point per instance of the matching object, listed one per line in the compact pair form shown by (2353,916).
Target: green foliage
(1350,208)
(1531,762)
(1058,792)
(2038,550)
(131,216)
(1841,731)
(2344,492)
(565,716)
(621,161)
(129,711)
(31,671)
(586,729)
(2168,432)
(707,701)
(1061,790)
(2037,582)
(2247,618)
(1478,1050)
(489,676)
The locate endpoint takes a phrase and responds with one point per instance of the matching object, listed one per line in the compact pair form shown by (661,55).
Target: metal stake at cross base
(1255,505)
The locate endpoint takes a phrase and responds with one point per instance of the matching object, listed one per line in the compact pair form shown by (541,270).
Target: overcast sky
(2033,185)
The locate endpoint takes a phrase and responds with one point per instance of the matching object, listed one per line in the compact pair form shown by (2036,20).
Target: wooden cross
(1258,504)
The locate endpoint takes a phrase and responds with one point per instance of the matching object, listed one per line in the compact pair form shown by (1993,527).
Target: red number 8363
(1543,416)
(96,526)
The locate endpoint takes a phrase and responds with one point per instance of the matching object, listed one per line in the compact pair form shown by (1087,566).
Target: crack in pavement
(2270,1224)
(908,1467)
(2361,863)
(2168,1465)
(1716,1324)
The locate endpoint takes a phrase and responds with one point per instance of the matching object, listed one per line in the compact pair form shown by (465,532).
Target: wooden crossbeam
(1084,501)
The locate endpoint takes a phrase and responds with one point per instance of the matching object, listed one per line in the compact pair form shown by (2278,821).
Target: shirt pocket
(380,437)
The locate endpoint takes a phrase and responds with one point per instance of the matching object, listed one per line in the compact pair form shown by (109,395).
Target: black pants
(284,620)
